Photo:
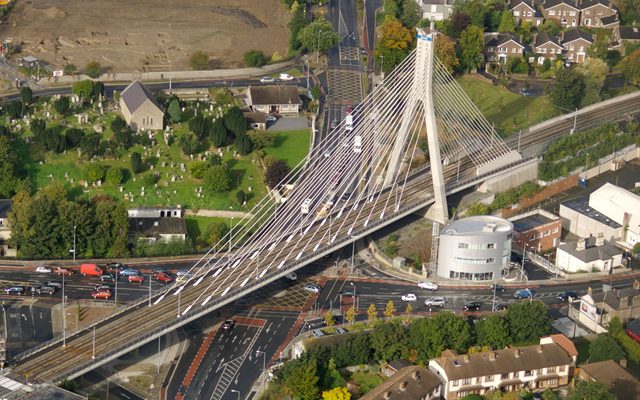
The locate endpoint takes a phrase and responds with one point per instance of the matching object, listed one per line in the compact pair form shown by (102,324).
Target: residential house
(614,376)
(538,230)
(500,46)
(545,365)
(5,229)
(623,35)
(436,10)
(524,10)
(152,230)
(140,109)
(588,255)
(633,330)
(547,47)
(593,11)
(394,366)
(410,383)
(281,99)
(576,42)
(567,12)
(256,120)
(596,310)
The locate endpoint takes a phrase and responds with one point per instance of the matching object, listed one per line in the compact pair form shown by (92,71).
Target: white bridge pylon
(362,172)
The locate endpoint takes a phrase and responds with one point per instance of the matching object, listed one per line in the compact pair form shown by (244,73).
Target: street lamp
(236,391)
(355,296)
(64,315)
(74,244)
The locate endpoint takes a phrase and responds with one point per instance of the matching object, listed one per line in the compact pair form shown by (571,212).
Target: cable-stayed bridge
(415,139)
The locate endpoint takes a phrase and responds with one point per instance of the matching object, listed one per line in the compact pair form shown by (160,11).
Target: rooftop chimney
(623,363)
(403,386)
(492,356)
(466,358)
(600,239)
(539,348)
(516,353)
(415,375)
(387,395)
(581,245)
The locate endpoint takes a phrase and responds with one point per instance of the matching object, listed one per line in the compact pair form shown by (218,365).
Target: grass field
(366,381)
(509,111)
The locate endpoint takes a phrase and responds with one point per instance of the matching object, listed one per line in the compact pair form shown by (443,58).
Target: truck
(357,144)
(348,123)
(91,269)
(305,207)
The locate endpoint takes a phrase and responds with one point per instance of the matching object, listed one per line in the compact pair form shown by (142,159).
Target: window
(547,232)
(539,371)
(434,8)
(455,383)
(467,381)
(587,12)
(529,14)
(150,120)
(552,50)
(552,12)
(504,376)
(561,368)
(555,230)
(532,237)
(543,51)
(528,373)
(491,260)
(516,13)
(491,246)
(551,370)
(488,378)
(572,13)
(462,245)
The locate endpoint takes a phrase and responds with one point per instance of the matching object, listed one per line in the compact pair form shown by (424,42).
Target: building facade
(576,42)
(409,383)
(500,46)
(436,10)
(538,230)
(5,229)
(547,47)
(524,10)
(140,109)
(564,11)
(588,255)
(282,99)
(156,212)
(593,11)
(475,248)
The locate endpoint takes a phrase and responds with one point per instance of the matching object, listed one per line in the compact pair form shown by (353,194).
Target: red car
(162,277)
(101,295)
(136,278)
(63,271)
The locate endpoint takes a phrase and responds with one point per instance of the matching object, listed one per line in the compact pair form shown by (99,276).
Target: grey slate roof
(591,251)
(620,382)
(515,3)
(530,222)
(409,383)
(166,226)
(256,117)
(611,19)
(629,33)
(498,39)
(135,95)
(5,207)
(544,37)
(281,94)
(584,4)
(575,34)
(581,205)
(552,3)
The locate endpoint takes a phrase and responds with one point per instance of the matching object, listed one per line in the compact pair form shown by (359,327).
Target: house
(28,62)
(566,12)
(623,35)
(256,120)
(156,212)
(140,109)
(5,229)
(538,229)
(544,365)
(633,330)
(410,383)
(547,47)
(588,255)
(618,380)
(152,230)
(436,10)
(593,11)
(523,10)
(499,46)
(282,99)
(394,366)
(576,42)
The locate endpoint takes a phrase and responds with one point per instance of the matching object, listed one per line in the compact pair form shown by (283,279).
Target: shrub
(605,348)
(215,160)
(61,105)
(94,172)
(73,136)
(174,111)
(240,197)
(218,178)
(93,69)
(70,69)
(150,179)
(276,171)
(115,175)
(199,61)
(136,162)
(198,169)
(243,144)
(255,58)
(235,121)
(261,139)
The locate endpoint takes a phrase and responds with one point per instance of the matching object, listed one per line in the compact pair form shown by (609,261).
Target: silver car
(434,302)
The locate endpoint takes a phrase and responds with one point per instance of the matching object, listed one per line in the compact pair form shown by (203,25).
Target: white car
(43,270)
(286,77)
(409,297)
(291,276)
(427,285)
(267,79)
(434,302)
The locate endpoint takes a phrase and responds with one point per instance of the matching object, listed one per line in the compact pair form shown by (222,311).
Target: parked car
(228,324)
(115,267)
(564,296)
(107,278)
(162,277)
(63,271)
(286,77)
(101,295)
(347,293)
(434,302)
(267,79)
(317,333)
(524,293)
(291,276)
(104,288)
(135,278)
(43,270)
(129,272)
(427,285)
(500,307)
(271,118)
(497,288)
(525,92)
(19,290)
(35,289)
(55,284)
(472,306)
(47,290)
(312,287)
(409,297)
(91,269)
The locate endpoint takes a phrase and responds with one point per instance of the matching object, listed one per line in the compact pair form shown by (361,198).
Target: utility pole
(74,244)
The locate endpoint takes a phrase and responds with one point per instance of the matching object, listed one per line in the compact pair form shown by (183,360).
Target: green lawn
(291,146)
(366,381)
(509,111)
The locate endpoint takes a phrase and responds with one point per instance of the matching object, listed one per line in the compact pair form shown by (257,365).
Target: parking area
(289,124)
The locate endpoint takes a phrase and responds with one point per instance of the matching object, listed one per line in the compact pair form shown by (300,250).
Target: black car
(564,296)
(115,267)
(228,324)
(48,290)
(107,278)
(472,306)
(500,307)
(55,284)
(497,288)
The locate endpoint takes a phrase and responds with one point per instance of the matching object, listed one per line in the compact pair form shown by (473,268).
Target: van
(91,269)
(348,123)
(291,276)
(306,206)
(357,144)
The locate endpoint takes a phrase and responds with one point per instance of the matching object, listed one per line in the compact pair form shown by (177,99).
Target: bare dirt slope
(127,35)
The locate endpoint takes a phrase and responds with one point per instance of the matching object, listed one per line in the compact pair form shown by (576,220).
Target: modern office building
(475,248)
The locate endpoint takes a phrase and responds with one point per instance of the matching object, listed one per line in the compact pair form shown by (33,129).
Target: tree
(615,325)
(235,121)
(411,13)
(551,26)
(255,58)
(316,92)
(189,144)
(215,233)
(394,44)
(276,172)
(83,88)
(297,23)
(301,382)
(199,61)
(339,393)
(26,94)
(14,109)
(198,169)
(241,197)
(73,137)
(472,396)
(492,331)
(590,390)
(121,132)
(8,169)
(446,52)
(328,319)
(218,178)
(136,162)
(90,144)
(460,20)
(200,126)
(93,69)
(372,313)
(568,90)
(388,340)
(351,314)
(243,144)
(115,175)
(261,139)
(471,44)
(319,36)
(390,310)
(391,8)
(631,67)
(599,47)
(61,105)
(70,69)
(218,133)
(174,111)
(507,22)
(603,348)
(595,72)
(94,172)
(527,321)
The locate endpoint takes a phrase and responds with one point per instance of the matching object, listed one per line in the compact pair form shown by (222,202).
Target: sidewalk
(218,214)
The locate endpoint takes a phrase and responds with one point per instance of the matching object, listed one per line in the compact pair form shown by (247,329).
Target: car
(524,293)
(434,302)
(101,295)
(286,77)
(129,272)
(115,267)
(564,296)
(500,307)
(271,118)
(340,331)
(427,285)
(107,278)
(327,154)
(348,110)
(347,293)
(537,396)
(525,92)
(55,284)
(103,288)
(496,288)
(317,333)
(63,271)
(135,278)
(334,123)
(472,306)
(312,287)
(228,324)
(409,297)
(267,79)
(35,289)
(291,276)
(19,290)
(47,290)
(162,277)
(43,270)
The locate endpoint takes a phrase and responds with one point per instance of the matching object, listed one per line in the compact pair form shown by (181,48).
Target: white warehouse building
(475,248)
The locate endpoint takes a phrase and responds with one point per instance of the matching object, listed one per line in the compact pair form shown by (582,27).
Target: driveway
(290,124)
